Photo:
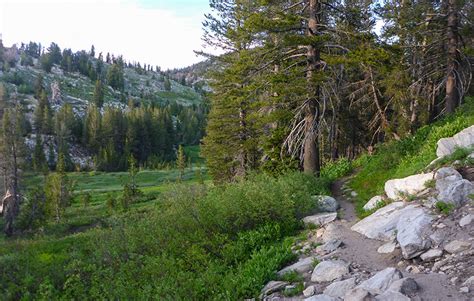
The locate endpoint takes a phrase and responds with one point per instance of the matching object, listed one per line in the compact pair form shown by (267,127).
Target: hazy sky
(159,32)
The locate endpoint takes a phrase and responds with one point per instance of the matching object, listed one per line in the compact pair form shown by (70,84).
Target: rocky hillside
(78,89)
(194,75)
(416,245)
(47,82)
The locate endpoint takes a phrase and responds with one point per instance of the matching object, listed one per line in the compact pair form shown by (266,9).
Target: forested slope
(96,109)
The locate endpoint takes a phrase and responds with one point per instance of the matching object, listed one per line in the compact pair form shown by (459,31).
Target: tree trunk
(452,94)
(242,155)
(311,159)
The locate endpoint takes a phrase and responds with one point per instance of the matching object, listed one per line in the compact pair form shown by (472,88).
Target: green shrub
(333,170)
(444,208)
(197,243)
(291,276)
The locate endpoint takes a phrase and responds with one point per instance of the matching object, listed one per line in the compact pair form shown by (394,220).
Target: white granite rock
(329,270)
(410,185)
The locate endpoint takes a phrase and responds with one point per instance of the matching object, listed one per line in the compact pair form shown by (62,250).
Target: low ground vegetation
(193,242)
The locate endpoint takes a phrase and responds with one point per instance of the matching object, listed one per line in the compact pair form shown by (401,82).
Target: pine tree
(131,192)
(58,190)
(46,62)
(115,77)
(181,162)
(228,145)
(167,84)
(98,97)
(92,52)
(39,86)
(12,151)
(39,158)
(43,115)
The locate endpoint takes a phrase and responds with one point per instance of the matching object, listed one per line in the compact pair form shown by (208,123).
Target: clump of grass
(459,154)
(430,183)
(315,262)
(379,205)
(298,289)
(291,277)
(444,208)
(407,197)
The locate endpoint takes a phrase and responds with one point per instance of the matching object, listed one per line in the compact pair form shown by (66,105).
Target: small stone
(273,286)
(453,280)
(439,264)
(373,203)
(424,192)
(320,232)
(330,246)
(413,269)
(464,289)
(466,220)
(440,226)
(358,294)
(329,270)
(353,194)
(320,219)
(309,291)
(457,246)
(326,203)
(431,254)
(406,286)
(321,297)
(387,248)
(446,267)
(339,288)
(303,265)
(392,296)
(381,280)
(469,282)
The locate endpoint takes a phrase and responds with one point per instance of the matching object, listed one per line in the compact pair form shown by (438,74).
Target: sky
(157,32)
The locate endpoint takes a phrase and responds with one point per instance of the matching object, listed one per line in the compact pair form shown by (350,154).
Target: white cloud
(157,36)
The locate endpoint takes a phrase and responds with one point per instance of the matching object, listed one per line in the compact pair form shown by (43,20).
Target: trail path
(362,252)
(358,248)
(336,241)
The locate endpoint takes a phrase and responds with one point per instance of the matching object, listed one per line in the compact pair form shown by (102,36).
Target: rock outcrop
(458,193)
(397,188)
(373,202)
(301,266)
(412,229)
(339,288)
(326,203)
(320,219)
(446,146)
(381,281)
(329,270)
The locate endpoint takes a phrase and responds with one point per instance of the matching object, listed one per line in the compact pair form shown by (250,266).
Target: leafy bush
(197,243)
(336,169)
